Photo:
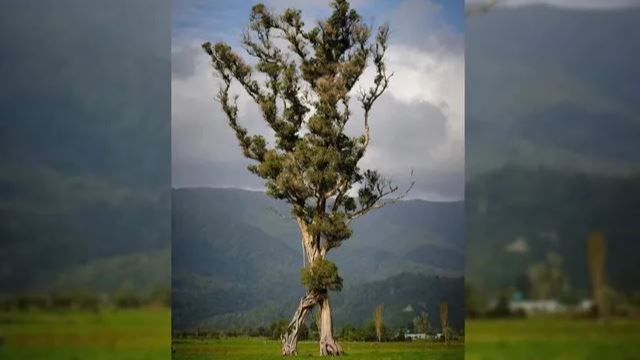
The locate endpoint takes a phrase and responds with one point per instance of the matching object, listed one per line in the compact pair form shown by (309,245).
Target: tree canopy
(303,91)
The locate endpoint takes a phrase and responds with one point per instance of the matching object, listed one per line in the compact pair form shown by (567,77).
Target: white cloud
(418,124)
(284,4)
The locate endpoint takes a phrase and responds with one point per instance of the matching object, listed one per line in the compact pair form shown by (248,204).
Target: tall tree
(377,319)
(547,278)
(303,90)
(596,259)
(421,323)
(444,320)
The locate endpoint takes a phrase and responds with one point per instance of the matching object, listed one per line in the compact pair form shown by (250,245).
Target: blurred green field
(552,338)
(74,335)
(261,349)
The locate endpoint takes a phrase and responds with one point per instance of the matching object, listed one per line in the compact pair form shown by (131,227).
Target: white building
(419,336)
(533,307)
(530,307)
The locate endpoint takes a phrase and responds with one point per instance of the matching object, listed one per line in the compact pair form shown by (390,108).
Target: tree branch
(381,82)
(383,190)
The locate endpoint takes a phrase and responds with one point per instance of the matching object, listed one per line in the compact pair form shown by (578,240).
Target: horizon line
(262,190)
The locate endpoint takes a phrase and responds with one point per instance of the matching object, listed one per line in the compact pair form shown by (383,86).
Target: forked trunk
(328,345)
(290,337)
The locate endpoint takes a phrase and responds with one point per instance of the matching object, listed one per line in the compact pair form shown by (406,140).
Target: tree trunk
(290,337)
(328,345)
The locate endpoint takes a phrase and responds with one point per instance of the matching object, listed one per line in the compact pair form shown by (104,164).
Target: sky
(560,88)
(573,4)
(82,96)
(417,125)
(84,134)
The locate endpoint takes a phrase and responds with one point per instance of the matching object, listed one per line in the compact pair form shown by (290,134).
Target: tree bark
(328,345)
(290,337)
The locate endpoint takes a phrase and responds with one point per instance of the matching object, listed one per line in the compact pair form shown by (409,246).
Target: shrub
(322,274)
(278,328)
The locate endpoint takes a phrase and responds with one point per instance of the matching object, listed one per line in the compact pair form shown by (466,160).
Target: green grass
(109,334)
(261,349)
(552,338)
(145,334)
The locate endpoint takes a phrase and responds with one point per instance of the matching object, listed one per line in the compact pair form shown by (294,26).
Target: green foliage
(351,333)
(422,323)
(278,328)
(305,100)
(475,302)
(305,332)
(321,274)
(547,278)
(105,232)
(147,272)
(127,298)
(368,333)
(83,300)
(217,286)
(501,308)
(160,295)
(553,211)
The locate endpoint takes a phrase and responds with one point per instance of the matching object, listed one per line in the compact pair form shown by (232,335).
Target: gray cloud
(553,68)
(418,124)
(183,60)
(84,137)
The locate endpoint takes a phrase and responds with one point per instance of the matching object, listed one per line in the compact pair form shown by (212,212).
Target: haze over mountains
(236,260)
(553,141)
(564,95)
(84,146)
(548,210)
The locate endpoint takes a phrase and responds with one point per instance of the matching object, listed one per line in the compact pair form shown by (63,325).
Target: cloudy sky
(554,83)
(417,125)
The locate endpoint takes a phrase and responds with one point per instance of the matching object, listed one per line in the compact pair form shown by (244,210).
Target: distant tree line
(369,332)
(125,298)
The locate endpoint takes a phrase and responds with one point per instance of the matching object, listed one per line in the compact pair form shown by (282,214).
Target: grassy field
(145,334)
(260,349)
(109,334)
(551,338)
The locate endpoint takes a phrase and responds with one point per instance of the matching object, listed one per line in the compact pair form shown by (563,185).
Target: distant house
(419,336)
(531,307)
(586,305)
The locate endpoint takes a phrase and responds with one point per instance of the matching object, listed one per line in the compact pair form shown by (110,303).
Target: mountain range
(516,215)
(236,260)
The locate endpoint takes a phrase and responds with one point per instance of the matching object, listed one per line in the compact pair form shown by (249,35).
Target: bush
(126,298)
(278,328)
(160,295)
(399,337)
(322,274)
(351,333)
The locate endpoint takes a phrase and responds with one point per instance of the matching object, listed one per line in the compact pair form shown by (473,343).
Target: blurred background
(552,179)
(84,179)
